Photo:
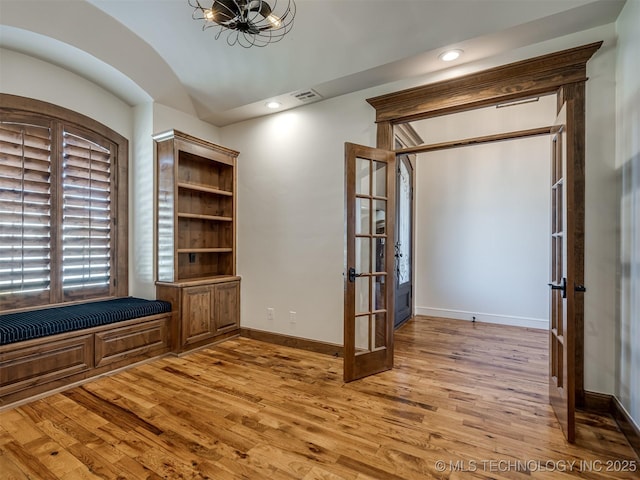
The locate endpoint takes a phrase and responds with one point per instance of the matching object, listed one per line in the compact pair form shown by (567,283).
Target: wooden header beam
(536,76)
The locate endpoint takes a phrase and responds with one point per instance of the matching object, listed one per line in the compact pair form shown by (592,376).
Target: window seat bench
(45,349)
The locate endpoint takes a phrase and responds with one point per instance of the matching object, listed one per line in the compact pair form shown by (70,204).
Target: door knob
(353,274)
(562,287)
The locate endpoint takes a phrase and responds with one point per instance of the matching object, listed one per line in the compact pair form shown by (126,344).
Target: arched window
(63,206)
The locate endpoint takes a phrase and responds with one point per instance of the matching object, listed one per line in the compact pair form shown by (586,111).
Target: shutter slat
(82,162)
(16,288)
(86,222)
(8,252)
(86,173)
(85,260)
(101,206)
(28,235)
(35,164)
(29,208)
(88,152)
(77,242)
(18,172)
(38,275)
(36,241)
(14,218)
(71,282)
(79,191)
(86,183)
(97,210)
(97,235)
(72,251)
(74,142)
(13,153)
(28,263)
(33,134)
(18,185)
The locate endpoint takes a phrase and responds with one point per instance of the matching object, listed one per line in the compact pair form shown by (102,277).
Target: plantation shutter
(25,213)
(86,217)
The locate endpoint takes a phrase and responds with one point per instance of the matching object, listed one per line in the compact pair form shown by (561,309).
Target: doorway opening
(482,216)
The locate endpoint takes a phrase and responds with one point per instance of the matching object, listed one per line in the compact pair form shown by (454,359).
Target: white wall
(29,77)
(141,202)
(167,118)
(482,218)
(600,223)
(628,173)
(291,214)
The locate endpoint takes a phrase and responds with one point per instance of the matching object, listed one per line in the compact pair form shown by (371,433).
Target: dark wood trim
(385,138)
(626,424)
(535,76)
(294,342)
(193,142)
(406,135)
(602,403)
(16,103)
(467,142)
(599,403)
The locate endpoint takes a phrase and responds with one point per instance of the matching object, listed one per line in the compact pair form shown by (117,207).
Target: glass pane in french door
(371,265)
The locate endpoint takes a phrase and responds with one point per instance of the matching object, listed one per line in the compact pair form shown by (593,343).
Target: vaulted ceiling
(143,50)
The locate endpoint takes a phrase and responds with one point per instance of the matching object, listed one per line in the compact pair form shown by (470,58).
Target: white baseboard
(541,323)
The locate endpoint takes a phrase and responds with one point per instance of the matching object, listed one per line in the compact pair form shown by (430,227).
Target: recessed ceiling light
(273,105)
(450,55)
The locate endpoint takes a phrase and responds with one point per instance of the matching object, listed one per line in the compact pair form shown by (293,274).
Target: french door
(562,336)
(369,280)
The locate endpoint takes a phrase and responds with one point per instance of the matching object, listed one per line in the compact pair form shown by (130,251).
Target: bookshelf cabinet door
(197,314)
(227,307)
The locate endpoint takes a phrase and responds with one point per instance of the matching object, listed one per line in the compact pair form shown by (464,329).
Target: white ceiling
(144,50)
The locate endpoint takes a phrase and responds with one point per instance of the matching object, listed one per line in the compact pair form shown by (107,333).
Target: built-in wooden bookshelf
(196,233)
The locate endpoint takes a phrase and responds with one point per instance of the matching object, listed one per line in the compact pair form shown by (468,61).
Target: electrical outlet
(292,317)
(271,314)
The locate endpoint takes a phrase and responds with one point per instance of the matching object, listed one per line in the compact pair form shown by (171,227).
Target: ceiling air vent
(307,96)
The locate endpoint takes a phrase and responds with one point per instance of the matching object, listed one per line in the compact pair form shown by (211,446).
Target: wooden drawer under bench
(35,366)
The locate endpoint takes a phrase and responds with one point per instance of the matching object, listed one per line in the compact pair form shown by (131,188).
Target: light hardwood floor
(472,396)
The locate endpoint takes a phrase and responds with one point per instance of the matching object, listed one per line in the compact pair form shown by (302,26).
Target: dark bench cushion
(16,327)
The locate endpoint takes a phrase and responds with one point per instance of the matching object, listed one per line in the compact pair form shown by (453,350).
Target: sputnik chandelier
(246,22)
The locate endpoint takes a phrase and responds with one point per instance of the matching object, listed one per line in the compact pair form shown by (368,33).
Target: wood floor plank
(464,401)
